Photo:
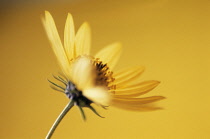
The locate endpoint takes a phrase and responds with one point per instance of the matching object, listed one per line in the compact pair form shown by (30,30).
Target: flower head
(91,78)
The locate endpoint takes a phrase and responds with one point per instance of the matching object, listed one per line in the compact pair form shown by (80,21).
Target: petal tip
(157,82)
(142,68)
(160,98)
(118,44)
(164,97)
(69,16)
(86,24)
(46,12)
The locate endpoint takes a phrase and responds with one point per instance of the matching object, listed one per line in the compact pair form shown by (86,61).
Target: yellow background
(170,38)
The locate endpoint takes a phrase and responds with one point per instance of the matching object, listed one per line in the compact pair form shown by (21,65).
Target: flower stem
(60,117)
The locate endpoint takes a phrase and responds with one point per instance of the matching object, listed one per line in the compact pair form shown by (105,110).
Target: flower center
(103,75)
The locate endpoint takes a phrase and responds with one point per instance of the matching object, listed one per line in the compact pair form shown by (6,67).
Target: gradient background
(170,38)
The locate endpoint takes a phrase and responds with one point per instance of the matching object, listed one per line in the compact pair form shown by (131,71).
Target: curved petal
(98,95)
(127,76)
(69,37)
(110,54)
(55,41)
(136,89)
(83,73)
(83,40)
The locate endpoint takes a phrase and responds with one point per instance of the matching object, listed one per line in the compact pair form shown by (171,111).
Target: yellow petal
(136,89)
(69,37)
(110,54)
(98,95)
(83,40)
(127,76)
(139,104)
(137,101)
(83,73)
(135,108)
(55,41)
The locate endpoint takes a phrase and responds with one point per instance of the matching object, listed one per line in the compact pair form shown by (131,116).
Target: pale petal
(136,89)
(98,95)
(55,41)
(83,40)
(110,54)
(127,76)
(69,37)
(83,73)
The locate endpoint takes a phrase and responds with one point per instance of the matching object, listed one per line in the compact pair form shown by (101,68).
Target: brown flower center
(104,75)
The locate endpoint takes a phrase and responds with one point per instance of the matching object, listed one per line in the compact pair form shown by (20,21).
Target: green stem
(60,117)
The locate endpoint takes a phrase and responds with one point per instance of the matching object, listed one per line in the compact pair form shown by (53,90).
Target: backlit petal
(83,40)
(98,95)
(127,76)
(110,54)
(83,73)
(144,107)
(138,101)
(138,104)
(69,36)
(137,89)
(55,41)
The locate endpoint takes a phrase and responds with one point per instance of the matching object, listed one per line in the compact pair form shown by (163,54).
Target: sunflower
(90,78)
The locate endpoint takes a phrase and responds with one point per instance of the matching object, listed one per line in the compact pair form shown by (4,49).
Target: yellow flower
(91,78)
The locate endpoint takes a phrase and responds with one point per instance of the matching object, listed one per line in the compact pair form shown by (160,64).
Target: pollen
(104,75)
